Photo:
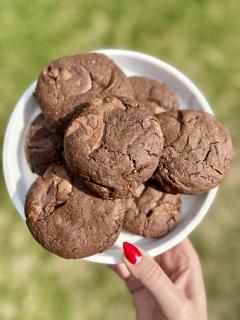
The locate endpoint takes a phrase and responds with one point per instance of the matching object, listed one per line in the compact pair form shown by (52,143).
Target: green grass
(199,37)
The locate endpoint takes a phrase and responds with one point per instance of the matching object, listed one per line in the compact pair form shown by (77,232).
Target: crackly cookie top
(43,146)
(156,96)
(150,212)
(113,146)
(68,220)
(71,81)
(197,152)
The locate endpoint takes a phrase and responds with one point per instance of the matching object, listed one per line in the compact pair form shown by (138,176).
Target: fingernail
(132,253)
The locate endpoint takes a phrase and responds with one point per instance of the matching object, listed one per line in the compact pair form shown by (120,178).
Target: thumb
(150,274)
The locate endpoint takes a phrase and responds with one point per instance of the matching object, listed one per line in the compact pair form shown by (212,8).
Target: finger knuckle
(151,274)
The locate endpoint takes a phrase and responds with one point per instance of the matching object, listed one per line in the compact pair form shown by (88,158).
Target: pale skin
(168,287)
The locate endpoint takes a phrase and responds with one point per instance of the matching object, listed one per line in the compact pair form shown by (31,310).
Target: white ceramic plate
(18,176)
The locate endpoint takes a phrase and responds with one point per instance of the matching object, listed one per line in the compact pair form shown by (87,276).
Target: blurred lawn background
(201,38)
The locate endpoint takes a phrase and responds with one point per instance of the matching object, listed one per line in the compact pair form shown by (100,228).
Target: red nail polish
(132,253)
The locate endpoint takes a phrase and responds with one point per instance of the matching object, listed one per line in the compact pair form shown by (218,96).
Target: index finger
(182,265)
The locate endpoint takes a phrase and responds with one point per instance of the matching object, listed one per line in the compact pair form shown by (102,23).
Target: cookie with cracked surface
(197,152)
(113,146)
(71,81)
(68,220)
(152,213)
(43,146)
(158,97)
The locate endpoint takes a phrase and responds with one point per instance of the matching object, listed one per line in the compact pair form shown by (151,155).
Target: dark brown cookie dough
(152,213)
(158,97)
(69,82)
(67,220)
(197,152)
(113,146)
(43,146)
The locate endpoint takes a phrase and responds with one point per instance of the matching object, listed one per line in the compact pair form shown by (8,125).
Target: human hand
(169,287)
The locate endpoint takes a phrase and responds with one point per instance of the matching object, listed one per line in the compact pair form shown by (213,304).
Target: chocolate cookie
(197,152)
(69,221)
(152,213)
(69,82)
(113,146)
(43,146)
(158,97)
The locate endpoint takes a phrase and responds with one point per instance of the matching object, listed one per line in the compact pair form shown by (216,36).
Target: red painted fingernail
(132,253)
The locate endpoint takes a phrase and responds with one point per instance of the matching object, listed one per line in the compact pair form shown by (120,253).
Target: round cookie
(156,96)
(197,152)
(43,146)
(152,213)
(68,220)
(114,145)
(71,81)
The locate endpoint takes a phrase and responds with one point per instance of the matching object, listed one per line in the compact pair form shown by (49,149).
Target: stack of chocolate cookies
(113,152)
